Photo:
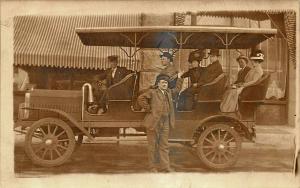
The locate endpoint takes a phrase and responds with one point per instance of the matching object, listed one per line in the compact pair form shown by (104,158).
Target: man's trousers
(158,148)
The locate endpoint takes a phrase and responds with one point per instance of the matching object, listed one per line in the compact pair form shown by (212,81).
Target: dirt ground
(130,156)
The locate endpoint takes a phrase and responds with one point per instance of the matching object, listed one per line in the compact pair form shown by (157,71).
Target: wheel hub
(50,141)
(221,147)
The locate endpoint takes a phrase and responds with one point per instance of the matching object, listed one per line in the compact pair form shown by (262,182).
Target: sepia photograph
(150,93)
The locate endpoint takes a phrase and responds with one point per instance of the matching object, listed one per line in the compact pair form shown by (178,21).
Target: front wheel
(219,146)
(49,142)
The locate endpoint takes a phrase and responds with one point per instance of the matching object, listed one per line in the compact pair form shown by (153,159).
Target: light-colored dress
(230,98)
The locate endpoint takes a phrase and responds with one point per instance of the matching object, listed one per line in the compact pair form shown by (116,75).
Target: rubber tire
(203,158)
(49,163)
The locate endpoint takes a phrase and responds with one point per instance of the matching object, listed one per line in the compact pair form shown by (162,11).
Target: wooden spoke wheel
(219,146)
(49,142)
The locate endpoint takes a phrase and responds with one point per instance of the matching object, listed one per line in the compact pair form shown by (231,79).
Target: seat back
(256,91)
(122,90)
(213,90)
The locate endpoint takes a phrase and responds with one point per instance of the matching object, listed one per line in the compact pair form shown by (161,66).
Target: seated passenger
(230,99)
(115,73)
(112,76)
(168,68)
(206,75)
(213,70)
(186,97)
(243,62)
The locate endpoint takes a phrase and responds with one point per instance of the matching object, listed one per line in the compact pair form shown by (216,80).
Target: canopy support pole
(228,64)
(227,42)
(180,43)
(179,55)
(135,79)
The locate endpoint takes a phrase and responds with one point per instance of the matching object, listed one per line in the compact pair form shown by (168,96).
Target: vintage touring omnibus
(55,121)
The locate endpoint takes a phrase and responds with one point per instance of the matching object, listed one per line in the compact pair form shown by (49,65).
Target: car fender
(65,115)
(248,131)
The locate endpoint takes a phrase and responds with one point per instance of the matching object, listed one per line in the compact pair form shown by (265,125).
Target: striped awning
(51,41)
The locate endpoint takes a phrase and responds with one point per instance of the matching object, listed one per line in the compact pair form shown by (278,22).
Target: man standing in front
(160,117)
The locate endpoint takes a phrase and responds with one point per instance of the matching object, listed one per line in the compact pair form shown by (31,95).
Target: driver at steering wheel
(113,75)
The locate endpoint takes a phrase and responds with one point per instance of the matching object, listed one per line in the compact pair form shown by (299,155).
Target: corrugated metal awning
(185,37)
(51,41)
(258,15)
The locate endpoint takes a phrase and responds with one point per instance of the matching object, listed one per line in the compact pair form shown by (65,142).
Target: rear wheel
(219,146)
(49,142)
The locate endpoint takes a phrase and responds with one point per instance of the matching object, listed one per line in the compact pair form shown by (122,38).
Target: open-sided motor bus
(54,121)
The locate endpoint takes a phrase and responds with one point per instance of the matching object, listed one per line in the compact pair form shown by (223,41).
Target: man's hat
(215,52)
(162,77)
(242,57)
(113,58)
(196,55)
(257,55)
(166,54)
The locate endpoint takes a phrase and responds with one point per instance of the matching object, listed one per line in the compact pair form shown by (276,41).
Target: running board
(180,140)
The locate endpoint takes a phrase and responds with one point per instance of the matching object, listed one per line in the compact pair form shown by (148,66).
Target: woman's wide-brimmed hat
(257,55)
(196,55)
(167,55)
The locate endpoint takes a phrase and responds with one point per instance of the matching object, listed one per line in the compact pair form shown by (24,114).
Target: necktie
(113,72)
(167,100)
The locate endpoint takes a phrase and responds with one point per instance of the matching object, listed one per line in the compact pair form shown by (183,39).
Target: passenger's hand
(240,84)
(147,108)
(180,74)
(195,84)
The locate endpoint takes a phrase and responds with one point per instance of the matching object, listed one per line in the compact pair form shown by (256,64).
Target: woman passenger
(230,98)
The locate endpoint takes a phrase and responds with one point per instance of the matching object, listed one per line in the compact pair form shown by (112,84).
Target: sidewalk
(273,137)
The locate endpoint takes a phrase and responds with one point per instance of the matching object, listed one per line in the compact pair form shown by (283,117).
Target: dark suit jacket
(172,73)
(210,72)
(153,100)
(123,91)
(193,73)
(120,73)
(241,75)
